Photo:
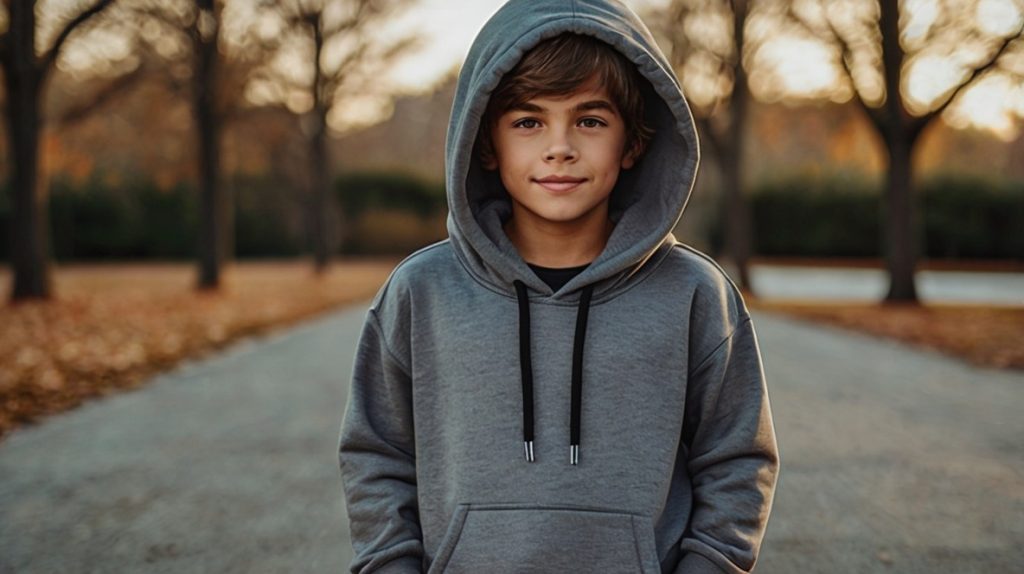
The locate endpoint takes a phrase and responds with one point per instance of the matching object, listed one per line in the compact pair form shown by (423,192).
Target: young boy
(470,442)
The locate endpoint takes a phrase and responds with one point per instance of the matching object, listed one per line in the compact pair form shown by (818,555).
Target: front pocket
(531,538)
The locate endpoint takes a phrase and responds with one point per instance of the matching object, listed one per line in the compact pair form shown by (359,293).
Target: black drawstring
(526,367)
(577,374)
(577,371)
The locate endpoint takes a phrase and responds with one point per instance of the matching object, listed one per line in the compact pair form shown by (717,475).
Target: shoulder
(418,271)
(392,306)
(705,276)
(715,303)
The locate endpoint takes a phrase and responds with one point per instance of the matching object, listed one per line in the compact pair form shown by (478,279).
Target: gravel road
(894,460)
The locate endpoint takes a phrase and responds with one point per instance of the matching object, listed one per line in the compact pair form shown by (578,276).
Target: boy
(570,157)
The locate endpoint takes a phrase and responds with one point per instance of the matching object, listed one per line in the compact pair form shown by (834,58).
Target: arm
(378,461)
(733,457)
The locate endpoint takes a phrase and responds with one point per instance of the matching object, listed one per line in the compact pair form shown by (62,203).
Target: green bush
(383,213)
(136,220)
(268,218)
(968,217)
(389,212)
(961,217)
(360,191)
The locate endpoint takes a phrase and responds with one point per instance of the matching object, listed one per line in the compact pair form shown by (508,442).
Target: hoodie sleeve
(378,461)
(732,457)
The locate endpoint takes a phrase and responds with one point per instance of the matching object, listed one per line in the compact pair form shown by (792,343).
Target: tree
(218,72)
(878,48)
(708,47)
(26,75)
(213,228)
(349,30)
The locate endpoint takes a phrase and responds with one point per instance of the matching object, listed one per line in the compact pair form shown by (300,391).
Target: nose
(560,148)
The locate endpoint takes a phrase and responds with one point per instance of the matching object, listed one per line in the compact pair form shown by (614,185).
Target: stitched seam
(746,319)
(684,247)
(375,322)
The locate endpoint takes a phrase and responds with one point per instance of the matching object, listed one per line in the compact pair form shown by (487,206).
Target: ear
(485,151)
(636,149)
(629,158)
(487,160)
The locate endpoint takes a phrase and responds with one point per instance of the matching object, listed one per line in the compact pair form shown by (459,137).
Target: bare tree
(26,74)
(708,38)
(875,46)
(216,209)
(359,53)
(217,75)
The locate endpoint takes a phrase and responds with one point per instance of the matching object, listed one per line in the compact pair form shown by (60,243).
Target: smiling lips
(559,183)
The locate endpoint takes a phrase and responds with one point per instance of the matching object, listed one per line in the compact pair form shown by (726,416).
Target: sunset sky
(794,67)
(996,104)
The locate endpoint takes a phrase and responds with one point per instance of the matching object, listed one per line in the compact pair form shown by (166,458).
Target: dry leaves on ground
(109,326)
(986,335)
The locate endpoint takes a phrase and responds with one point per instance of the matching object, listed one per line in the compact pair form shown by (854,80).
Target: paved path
(894,461)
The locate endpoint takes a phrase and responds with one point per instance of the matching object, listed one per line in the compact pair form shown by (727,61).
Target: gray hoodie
(620,424)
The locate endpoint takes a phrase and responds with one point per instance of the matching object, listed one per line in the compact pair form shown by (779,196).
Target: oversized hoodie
(618,425)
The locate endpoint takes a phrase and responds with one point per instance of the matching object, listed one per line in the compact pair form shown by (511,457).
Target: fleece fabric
(620,423)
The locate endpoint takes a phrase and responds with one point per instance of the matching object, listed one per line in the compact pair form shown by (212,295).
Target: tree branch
(845,57)
(349,23)
(50,57)
(919,123)
(81,110)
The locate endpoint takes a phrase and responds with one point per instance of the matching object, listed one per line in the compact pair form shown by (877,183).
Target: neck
(559,244)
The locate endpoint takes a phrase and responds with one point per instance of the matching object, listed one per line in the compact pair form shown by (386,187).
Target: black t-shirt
(556,277)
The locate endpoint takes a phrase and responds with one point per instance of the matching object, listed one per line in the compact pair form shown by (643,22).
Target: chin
(564,217)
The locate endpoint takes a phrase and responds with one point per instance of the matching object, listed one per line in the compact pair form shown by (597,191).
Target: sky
(449,28)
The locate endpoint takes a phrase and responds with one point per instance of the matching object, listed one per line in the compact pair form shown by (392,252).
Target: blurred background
(225,130)
(175,175)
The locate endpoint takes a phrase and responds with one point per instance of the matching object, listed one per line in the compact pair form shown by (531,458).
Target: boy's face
(559,158)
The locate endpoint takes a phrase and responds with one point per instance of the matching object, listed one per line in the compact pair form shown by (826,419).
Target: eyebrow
(582,107)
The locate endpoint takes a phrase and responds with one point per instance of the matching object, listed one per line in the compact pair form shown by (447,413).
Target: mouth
(559,183)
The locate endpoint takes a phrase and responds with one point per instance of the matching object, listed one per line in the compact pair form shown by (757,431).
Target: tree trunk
(320,185)
(900,236)
(901,229)
(212,245)
(739,223)
(318,161)
(29,221)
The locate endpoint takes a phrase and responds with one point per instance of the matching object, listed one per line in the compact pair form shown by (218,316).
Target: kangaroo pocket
(530,538)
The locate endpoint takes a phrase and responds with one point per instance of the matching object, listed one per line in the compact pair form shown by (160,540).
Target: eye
(528,123)
(592,122)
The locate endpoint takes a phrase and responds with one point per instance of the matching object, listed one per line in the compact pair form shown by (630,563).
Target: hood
(648,199)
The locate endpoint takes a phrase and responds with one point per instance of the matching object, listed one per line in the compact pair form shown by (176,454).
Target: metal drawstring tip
(528,450)
(574,454)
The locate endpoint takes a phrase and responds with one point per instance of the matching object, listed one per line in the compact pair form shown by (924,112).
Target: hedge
(963,217)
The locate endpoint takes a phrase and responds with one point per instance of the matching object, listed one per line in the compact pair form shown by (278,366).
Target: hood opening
(648,199)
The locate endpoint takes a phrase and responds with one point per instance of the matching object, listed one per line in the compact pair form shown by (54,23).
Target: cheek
(514,157)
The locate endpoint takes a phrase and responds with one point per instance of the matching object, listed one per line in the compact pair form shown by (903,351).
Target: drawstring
(526,367)
(577,374)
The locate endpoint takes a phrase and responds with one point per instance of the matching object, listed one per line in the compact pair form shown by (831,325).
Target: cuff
(402,565)
(693,563)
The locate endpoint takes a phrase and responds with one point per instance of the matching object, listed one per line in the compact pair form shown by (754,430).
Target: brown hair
(559,66)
